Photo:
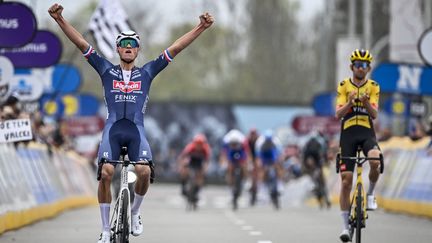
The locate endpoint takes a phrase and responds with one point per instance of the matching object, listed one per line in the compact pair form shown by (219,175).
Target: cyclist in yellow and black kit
(356,106)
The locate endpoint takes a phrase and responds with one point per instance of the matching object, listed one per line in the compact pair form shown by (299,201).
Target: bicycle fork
(119,201)
(359,192)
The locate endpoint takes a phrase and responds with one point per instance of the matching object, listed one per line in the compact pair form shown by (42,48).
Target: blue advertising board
(324,104)
(403,78)
(66,78)
(69,105)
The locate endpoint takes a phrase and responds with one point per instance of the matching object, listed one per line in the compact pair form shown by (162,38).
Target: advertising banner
(404,78)
(69,105)
(6,70)
(84,125)
(324,104)
(15,130)
(66,78)
(43,51)
(306,124)
(28,87)
(17,24)
(425,47)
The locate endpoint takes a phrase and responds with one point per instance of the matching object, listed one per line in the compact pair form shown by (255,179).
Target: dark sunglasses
(363,65)
(125,42)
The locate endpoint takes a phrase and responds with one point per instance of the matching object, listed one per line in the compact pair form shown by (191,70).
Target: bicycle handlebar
(360,160)
(124,162)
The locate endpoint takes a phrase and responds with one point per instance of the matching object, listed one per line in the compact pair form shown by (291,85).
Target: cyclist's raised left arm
(74,36)
(206,20)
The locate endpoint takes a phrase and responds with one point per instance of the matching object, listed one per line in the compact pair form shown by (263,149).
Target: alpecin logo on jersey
(131,86)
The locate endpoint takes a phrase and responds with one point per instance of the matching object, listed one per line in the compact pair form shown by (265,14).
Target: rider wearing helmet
(254,168)
(126,88)
(194,156)
(356,106)
(268,149)
(235,153)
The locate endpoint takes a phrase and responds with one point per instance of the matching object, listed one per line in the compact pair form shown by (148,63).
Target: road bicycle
(120,221)
(191,190)
(237,185)
(271,182)
(357,211)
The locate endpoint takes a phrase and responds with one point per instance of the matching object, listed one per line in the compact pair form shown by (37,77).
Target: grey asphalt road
(167,221)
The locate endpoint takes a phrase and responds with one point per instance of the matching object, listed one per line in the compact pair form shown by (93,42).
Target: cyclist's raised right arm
(74,36)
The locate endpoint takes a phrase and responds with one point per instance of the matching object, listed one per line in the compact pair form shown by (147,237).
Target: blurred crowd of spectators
(44,130)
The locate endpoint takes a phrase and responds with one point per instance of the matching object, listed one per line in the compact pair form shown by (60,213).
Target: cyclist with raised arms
(126,89)
(356,106)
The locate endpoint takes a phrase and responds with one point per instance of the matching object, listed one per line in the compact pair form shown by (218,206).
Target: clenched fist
(56,11)
(206,20)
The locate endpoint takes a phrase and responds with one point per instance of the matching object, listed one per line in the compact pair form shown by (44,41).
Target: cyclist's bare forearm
(206,20)
(370,109)
(184,41)
(73,35)
(343,110)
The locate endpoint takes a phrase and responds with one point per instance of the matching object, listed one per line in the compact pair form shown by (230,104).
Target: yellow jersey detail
(358,114)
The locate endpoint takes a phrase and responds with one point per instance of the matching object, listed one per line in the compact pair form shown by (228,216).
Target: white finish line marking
(247,227)
(255,233)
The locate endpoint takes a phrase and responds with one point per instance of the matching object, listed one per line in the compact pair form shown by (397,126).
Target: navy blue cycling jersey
(125,101)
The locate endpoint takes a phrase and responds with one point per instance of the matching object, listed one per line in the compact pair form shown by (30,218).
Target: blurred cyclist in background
(195,156)
(268,150)
(254,166)
(314,157)
(235,155)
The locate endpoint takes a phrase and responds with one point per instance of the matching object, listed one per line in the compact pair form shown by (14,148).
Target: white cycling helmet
(129,34)
(235,136)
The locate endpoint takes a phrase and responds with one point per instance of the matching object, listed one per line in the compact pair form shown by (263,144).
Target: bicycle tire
(359,213)
(238,179)
(123,229)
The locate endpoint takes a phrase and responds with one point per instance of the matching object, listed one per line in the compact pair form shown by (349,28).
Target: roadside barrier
(36,184)
(406,185)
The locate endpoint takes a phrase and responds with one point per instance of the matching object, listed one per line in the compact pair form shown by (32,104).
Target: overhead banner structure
(425,47)
(406,27)
(17,24)
(43,51)
(6,70)
(404,78)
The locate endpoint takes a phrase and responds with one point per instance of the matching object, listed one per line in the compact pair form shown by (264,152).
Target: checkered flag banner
(107,21)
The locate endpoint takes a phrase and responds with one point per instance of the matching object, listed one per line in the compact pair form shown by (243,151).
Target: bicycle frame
(357,221)
(117,218)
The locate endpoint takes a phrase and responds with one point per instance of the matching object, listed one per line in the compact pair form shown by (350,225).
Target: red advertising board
(306,124)
(84,125)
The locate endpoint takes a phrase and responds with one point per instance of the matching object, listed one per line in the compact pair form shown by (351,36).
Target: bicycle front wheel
(359,213)
(123,221)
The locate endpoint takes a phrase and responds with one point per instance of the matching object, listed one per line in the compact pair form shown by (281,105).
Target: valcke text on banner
(15,130)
